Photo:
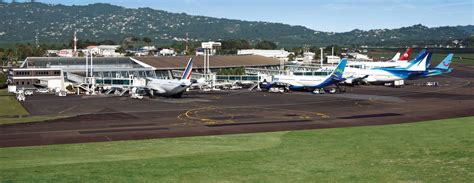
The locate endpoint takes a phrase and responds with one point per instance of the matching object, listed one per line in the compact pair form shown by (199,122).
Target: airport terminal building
(74,69)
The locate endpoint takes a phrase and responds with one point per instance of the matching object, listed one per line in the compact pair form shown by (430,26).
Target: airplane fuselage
(300,82)
(167,87)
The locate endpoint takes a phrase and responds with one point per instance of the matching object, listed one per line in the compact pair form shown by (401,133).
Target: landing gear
(151,93)
(331,90)
(319,91)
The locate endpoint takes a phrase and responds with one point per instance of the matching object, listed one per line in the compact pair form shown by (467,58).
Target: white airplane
(356,72)
(389,74)
(316,83)
(396,61)
(171,87)
(416,69)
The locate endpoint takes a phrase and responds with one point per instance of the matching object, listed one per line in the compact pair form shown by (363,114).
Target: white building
(167,52)
(103,50)
(211,45)
(109,50)
(333,59)
(92,50)
(279,54)
(149,48)
(65,53)
(51,78)
(50,52)
(308,57)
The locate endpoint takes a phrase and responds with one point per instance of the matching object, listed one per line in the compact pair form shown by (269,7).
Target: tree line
(229,47)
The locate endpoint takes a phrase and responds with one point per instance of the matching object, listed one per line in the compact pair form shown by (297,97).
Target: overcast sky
(323,15)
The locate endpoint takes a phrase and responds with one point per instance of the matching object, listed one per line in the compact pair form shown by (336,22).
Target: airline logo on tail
(444,65)
(340,68)
(188,71)
(406,55)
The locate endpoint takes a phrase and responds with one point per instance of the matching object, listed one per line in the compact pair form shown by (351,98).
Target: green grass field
(4,92)
(9,106)
(435,151)
(11,109)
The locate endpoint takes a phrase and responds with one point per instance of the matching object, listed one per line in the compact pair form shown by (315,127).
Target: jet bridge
(225,78)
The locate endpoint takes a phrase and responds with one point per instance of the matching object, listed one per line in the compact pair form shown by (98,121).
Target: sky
(320,15)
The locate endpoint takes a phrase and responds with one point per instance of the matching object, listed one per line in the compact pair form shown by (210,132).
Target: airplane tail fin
(420,65)
(420,55)
(337,73)
(406,55)
(188,71)
(444,65)
(396,57)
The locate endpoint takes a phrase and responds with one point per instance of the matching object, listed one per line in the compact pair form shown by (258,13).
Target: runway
(94,119)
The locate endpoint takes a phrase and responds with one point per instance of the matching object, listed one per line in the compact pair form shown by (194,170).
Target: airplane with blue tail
(300,82)
(442,68)
(397,61)
(418,68)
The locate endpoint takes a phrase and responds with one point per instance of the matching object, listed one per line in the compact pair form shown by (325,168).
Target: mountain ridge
(57,23)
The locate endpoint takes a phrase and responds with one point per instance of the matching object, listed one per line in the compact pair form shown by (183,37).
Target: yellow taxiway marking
(192,115)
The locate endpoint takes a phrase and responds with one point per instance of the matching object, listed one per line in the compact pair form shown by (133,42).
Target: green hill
(21,22)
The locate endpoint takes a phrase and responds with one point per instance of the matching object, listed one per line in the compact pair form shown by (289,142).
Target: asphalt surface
(94,119)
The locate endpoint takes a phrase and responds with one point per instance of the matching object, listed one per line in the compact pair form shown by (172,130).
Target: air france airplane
(171,87)
(298,82)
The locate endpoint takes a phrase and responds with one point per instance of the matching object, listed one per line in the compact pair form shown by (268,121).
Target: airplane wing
(157,89)
(356,80)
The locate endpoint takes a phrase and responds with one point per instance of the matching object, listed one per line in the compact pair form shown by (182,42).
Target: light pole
(322,56)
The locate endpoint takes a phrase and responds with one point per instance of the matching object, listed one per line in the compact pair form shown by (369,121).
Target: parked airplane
(398,73)
(171,87)
(392,63)
(357,72)
(418,68)
(316,83)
